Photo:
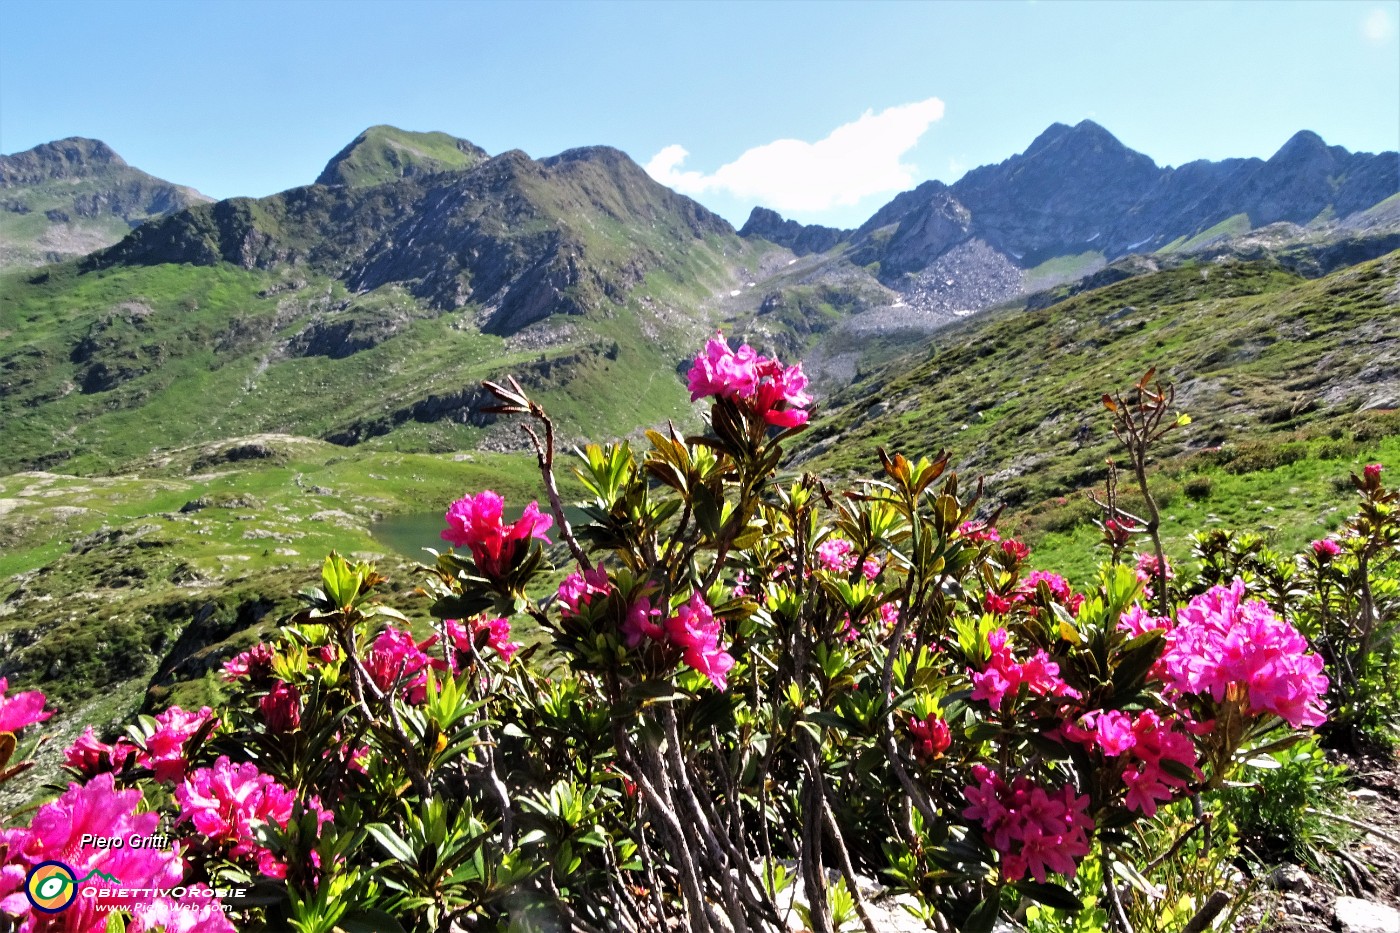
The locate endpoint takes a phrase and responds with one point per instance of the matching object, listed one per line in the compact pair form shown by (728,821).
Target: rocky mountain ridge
(71,196)
(1079,192)
(520,238)
(1077,201)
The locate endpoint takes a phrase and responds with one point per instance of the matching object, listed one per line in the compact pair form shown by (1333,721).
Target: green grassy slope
(1282,376)
(127,590)
(101,367)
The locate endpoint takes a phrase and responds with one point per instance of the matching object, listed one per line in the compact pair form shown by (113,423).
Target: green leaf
(368,921)
(983,916)
(1051,895)
(392,843)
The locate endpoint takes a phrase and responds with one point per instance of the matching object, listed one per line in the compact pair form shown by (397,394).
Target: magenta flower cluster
(165,751)
(479,632)
(396,658)
(1004,675)
(1035,831)
(1227,646)
(1146,741)
(1326,548)
(578,589)
(836,555)
(254,664)
(97,810)
(229,803)
(931,737)
(693,629)
(476,523)
(771,390)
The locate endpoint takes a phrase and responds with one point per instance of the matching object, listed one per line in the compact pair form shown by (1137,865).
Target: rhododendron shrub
(653,717)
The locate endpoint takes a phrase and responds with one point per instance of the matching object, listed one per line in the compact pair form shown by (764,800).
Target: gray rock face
(1357,916)
(800,238)
(931,229)
(1078,189)
(63,159)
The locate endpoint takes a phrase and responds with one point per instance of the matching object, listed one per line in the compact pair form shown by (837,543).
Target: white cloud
(1377,26)
(856,160)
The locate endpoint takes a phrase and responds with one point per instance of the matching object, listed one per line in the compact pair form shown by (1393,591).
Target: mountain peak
(1084,135)
(384,153)
(1305,145)
(1090,128)
(604,154)
(71,158)
(800,238)
(1048,137)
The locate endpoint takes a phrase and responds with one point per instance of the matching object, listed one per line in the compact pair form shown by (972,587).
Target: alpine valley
(199,399)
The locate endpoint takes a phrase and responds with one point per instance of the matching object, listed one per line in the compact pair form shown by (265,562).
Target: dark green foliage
(1280,810)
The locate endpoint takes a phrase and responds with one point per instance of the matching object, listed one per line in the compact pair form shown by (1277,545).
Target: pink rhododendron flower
(695,630)
(1003,675)
(255,664)
(98,810)
(870,569)
(1222,640)
(395,657)
(578,589)
(1138,621)
(996,605)
(491,633)
(475,522)
(228,803)
(1058,586)
(931,737)
(1326,548)
(1036,832)
(1372,472)
(978,532)
(889,614)
(722,372)
(20,709)
(164,753)
(774,392)
(351,758)
(1154,741)
(1015,550)
(640,626)
(1147,568)
(1111,731)
(89,756)
(281,709)
(835,554)
(1119,531)
(781,398)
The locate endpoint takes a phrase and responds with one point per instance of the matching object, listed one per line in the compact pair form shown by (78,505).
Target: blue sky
(821,110)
